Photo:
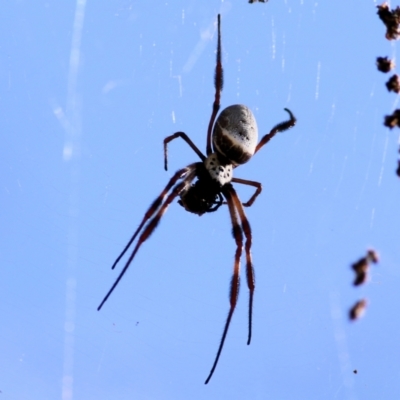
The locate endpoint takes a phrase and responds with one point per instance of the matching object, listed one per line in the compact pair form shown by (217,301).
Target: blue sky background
(88,91)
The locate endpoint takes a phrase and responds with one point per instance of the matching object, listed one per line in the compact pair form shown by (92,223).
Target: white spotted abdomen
(235,134)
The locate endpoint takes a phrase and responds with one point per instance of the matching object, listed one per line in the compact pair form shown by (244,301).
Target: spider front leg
(187,140)
(257,185)
(283,126)
(218,83)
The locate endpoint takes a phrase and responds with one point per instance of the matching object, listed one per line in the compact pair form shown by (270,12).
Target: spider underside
(202,187)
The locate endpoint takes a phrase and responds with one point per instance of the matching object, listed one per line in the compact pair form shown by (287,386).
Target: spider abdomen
(235,134)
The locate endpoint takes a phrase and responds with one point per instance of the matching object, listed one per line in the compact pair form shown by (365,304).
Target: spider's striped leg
(152,209)
(257,185)
(151,226)
(218,83)
(235,282)
(283,126)
(187,140)
(249,264)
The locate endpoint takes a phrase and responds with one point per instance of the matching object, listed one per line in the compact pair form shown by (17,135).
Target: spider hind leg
(187,175)
(236,212)
(235,281)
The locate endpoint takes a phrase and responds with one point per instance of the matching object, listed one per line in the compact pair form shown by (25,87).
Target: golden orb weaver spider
(231,141)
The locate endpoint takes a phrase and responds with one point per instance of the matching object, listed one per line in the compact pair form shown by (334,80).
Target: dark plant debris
(358,310)
(393,120)
(393,84)
(361,267)
(391,19)
(384,64)
(398,168)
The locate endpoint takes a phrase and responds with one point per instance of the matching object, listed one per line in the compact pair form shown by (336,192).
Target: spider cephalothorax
(204,186)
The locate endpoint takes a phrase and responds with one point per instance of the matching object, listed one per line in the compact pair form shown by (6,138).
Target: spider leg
(235,282)
(151,226)
(249,264)
(257,185)
(283,126)
(152,209)
(187,140)
(218,83)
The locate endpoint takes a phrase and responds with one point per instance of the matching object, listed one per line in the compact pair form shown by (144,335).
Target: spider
(206,185)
